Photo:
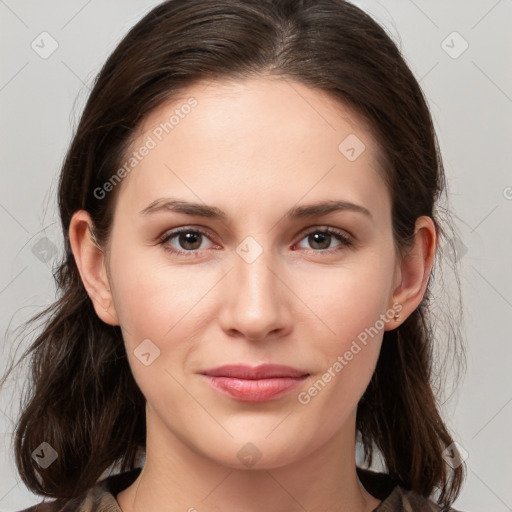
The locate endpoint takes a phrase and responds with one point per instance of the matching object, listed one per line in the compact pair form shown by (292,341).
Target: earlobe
(91,264)
(415,269)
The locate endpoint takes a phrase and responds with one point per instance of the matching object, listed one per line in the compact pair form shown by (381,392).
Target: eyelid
(327,229)
(162,240)
(346,240)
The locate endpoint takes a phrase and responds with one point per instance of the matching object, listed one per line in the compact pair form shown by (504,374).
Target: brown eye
(187,241)
(320,239)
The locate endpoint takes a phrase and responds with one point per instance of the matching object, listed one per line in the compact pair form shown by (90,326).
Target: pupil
(323,237)
(189,238)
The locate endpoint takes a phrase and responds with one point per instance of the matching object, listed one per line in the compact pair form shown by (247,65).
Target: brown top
(102,496)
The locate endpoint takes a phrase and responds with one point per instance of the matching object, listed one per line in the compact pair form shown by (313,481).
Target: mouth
(254,384)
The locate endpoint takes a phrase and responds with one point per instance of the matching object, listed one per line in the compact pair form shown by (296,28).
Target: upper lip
(263,371)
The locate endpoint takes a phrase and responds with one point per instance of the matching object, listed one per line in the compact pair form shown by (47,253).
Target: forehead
(253,104)
(256,140)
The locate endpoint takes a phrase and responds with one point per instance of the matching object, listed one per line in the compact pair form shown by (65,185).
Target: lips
(254,384)
(264,371)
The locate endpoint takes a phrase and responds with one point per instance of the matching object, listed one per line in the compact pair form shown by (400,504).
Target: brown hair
(82,397)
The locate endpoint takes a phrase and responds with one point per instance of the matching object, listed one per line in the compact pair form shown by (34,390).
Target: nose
(257,301)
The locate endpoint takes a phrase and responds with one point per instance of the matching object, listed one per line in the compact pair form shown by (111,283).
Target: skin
(254,149)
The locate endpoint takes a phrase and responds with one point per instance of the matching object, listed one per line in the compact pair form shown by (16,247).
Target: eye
(320,239)
(188,241)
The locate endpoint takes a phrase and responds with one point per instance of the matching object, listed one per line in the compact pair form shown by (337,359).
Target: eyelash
(346,240)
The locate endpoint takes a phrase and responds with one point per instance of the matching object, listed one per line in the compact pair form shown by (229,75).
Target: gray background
(470,94)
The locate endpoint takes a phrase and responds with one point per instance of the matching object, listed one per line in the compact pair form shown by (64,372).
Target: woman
(249,212)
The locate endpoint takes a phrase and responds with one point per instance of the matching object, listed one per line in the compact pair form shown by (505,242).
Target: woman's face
(252,280)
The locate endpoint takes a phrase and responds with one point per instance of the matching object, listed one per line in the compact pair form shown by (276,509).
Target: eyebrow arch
(298,212)
(325,207)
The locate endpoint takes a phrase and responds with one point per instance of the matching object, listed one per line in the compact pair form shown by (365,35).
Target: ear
(91,263)
(412,273)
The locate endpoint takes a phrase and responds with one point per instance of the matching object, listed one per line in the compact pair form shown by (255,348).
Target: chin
(260,455)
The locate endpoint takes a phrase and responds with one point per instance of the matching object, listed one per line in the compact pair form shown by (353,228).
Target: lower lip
(257,390)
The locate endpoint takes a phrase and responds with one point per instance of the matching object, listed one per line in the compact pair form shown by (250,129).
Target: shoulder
(395,498)
(94,500)
(405,500)
(99,498)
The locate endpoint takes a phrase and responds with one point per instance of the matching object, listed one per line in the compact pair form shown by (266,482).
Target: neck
(179,479)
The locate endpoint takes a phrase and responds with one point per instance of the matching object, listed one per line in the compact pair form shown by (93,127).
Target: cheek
(157,307)
(351,305)
(155,299)
(348,299)
(347,360)
(151,296)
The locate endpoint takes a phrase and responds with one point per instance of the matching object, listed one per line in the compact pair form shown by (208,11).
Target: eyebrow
(297,212)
